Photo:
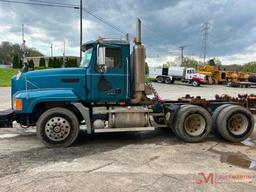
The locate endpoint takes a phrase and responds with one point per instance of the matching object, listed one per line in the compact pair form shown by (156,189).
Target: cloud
(167,24)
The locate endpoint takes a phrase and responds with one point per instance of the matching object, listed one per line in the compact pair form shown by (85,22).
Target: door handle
(118,91)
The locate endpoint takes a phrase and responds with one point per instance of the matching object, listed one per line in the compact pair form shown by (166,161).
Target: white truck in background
(171,74)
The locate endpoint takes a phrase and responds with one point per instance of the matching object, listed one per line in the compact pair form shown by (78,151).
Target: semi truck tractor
(107,92)
(171,74)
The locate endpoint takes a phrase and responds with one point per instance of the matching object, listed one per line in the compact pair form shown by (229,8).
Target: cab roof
(105,41)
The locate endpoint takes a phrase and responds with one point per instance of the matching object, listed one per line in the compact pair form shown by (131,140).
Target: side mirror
(101,59)
(101,55)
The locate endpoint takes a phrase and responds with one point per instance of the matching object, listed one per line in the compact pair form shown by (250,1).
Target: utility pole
(24,60)
(64,54)
(64,49)
(81,28)
(182,54)
(23,37)
(51,50)
(205,31)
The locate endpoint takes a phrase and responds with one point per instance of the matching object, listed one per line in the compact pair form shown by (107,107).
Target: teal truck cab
(108,91)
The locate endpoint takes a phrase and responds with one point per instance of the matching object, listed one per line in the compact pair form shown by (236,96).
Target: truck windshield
(86,58)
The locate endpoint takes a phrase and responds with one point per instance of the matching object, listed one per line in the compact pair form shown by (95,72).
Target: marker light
(19,104)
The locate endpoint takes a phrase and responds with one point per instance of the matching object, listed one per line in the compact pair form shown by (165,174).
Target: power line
(40,4)
(50,2)
(104,21)
(64,5)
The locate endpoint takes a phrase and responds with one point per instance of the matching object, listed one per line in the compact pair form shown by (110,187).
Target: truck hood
(68,78)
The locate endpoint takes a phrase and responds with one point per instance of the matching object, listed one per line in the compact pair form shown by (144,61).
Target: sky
(167,25)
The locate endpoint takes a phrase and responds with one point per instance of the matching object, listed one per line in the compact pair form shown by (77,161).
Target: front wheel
(58,127)
(160,79)
(195,83)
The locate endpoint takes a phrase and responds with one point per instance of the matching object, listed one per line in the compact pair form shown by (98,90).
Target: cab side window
(113,58)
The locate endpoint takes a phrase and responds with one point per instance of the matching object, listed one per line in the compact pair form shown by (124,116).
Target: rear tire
(193,123)
(171,124)
(215,116)
(235,123)
(167,80)
(58,127)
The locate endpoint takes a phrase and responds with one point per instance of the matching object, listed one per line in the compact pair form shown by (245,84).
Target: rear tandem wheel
(234,123)
(193,123)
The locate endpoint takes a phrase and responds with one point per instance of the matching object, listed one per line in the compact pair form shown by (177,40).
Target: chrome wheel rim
(238,124)
(195,83)
(57,129)
(195,125)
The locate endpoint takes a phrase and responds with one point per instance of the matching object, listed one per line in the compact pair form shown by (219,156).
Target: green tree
(61,62)
(8,51)
(189,62)
(31,64)
(168,64)
(250,67)
(146,68)
(71,62)
(15,62)
(20,64)
(57,62)
(50,63)
(32,52)
(42,62)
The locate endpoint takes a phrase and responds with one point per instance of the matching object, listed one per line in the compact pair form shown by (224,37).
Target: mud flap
(6,118)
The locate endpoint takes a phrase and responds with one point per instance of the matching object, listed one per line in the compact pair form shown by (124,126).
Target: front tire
(160,79)
(195,83)
(58,127)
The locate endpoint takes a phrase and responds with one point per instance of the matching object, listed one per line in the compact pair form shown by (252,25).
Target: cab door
(189,74)
(109,83)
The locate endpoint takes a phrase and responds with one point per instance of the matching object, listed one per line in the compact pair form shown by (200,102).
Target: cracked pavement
(127,161)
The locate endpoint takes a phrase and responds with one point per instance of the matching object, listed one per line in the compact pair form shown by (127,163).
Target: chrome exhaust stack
(139,55)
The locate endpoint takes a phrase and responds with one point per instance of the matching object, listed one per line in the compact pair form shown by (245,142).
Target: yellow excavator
(217,76)
(213,74)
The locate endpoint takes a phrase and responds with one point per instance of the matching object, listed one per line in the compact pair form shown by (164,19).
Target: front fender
(33,97)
